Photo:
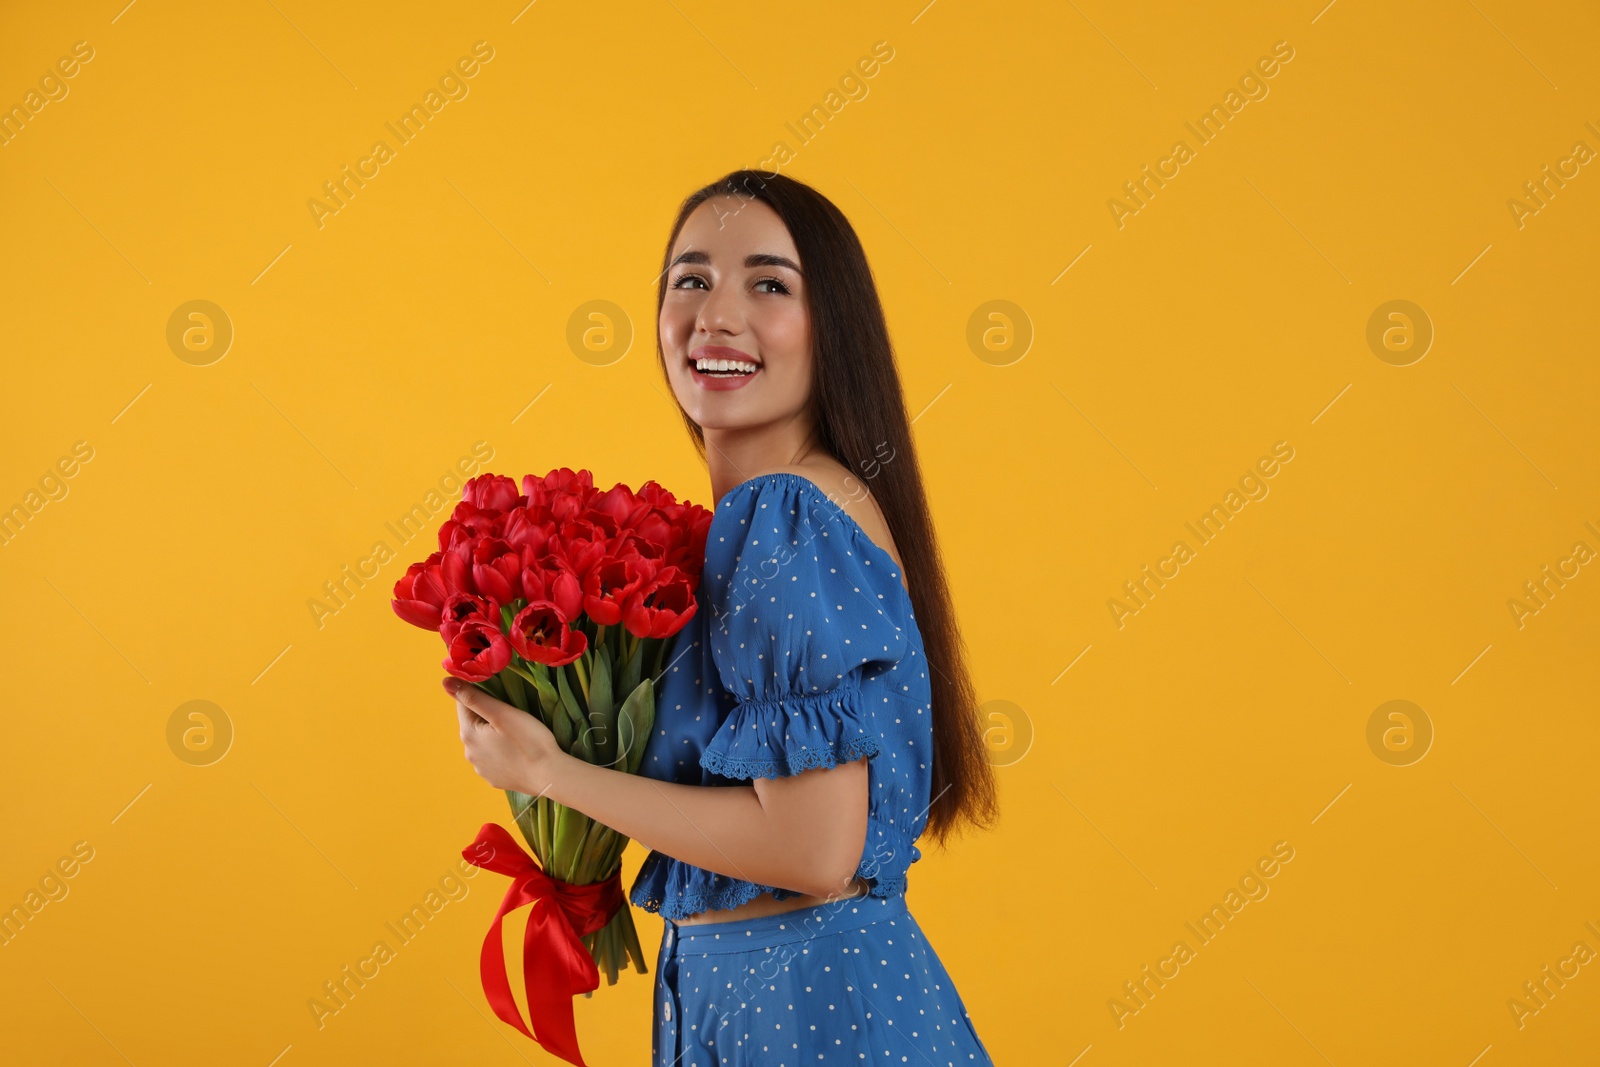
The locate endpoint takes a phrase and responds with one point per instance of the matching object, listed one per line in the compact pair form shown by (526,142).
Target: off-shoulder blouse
(803,652)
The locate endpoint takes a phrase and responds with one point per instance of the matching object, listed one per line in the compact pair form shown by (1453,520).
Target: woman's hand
(509,748)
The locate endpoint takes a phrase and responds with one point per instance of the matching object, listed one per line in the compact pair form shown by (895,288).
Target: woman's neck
(734,456)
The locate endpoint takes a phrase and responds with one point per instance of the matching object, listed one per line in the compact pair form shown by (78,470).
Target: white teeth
(704,365)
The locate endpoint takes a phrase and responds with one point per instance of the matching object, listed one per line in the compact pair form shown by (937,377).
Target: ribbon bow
(555,965)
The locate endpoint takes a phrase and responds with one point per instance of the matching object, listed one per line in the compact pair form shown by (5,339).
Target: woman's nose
(720,311)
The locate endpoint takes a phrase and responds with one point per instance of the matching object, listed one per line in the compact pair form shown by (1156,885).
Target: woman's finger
(479,703)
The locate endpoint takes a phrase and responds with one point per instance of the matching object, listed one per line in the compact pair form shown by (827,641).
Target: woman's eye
(686,277)
(773,281)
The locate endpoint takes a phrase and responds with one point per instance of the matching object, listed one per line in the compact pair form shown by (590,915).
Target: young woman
(817,716)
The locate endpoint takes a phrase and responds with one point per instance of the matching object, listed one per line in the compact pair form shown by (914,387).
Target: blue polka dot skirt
(848,981)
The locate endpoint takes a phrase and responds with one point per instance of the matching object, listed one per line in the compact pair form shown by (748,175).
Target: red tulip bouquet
(561,600)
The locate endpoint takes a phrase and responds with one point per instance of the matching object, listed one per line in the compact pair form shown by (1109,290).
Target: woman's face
(735,291)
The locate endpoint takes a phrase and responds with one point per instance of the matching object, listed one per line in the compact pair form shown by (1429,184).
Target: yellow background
(1229,313)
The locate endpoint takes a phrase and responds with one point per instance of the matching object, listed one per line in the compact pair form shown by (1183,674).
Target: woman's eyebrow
(769,259)
(754,259)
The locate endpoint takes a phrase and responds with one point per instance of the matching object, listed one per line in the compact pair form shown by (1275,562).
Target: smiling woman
(806,679)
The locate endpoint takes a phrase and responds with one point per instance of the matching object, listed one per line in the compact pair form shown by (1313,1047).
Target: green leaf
(549,699)
(522,810)
(625,743)
(640,711)
(569,703)
(516,689)
(633,665)
(602,711)
(561,726)
(583,747)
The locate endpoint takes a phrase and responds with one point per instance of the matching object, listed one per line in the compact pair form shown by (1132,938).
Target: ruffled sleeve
(803,615)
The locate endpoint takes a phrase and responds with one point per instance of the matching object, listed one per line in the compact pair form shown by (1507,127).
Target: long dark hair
(860,418)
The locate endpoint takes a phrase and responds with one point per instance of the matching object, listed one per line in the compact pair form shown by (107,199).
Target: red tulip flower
(478,652)
(610,584)
(420,594)
(540,634)
(496,569)
(665,609)
(464,608)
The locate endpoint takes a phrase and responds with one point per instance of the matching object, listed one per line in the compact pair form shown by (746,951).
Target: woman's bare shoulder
(853,495)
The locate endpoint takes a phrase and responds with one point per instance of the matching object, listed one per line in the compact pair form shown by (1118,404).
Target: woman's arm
(805,832)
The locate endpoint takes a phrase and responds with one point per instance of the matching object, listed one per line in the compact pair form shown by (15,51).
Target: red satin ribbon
(555,965)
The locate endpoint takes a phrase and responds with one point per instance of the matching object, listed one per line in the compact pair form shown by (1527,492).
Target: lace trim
(692,902)
(892,886)
(792,762)
(822,718)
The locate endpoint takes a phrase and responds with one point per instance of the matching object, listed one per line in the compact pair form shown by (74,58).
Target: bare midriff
(766,904)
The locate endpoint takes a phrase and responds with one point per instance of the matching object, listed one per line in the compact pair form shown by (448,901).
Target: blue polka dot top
(803,653)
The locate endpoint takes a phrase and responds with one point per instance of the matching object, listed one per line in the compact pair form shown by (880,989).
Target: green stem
(580,666)
(571,828)
(630,943)
(580,854)
(609,931)
(544,826)
(595,849)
